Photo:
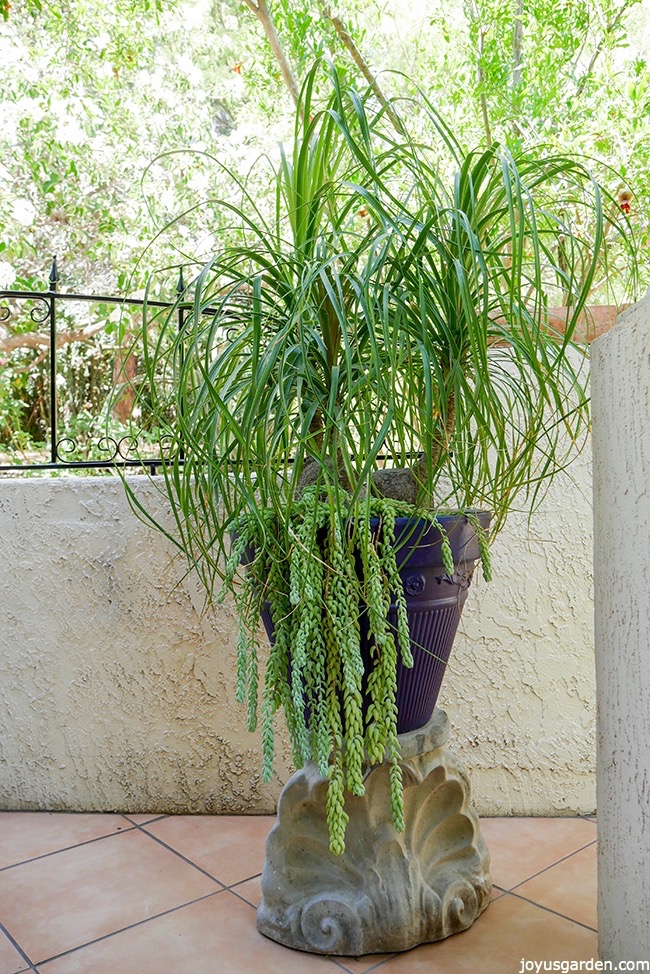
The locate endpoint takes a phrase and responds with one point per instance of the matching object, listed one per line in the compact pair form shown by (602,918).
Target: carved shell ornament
(389,891)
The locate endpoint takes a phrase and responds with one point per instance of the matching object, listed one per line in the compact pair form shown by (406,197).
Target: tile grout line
(230,889)
(240,882)
(518,896)
(76,845)
(330,957)
(241,898)
(133,826)
(380,964)
(20,950)
(556,913)
(150,821)
(337,963)
(185,859)
(546,868)
(130,926)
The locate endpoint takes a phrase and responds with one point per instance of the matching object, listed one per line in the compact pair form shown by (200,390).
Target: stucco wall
(520,686)
(622,568)
(117,692)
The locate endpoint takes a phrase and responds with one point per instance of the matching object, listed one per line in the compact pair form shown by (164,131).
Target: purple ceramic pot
(434,601)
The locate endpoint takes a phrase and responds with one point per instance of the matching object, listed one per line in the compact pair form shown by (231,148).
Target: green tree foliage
(92,94)
(118,120)
(122,121)
(573,75)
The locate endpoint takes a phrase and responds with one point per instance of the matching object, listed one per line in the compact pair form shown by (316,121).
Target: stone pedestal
(389,891)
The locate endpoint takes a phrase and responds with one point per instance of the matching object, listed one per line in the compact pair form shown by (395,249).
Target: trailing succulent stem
(317,579)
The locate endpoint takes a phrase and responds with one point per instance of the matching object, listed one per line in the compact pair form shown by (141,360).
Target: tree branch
(362,65)
(37,339)
(517,58)
(261,11)
(609,27)
(481,76)
(517,45)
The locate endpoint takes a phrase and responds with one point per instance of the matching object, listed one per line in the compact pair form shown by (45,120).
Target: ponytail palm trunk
(374,344)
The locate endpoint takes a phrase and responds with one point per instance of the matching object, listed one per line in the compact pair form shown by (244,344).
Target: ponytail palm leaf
(390,314)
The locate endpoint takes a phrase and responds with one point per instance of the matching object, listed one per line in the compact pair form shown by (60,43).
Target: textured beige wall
(520,685)
(116,691)
(117,694)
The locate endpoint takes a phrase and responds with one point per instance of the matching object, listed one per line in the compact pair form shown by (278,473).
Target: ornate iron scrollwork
(40,315)
(101,449)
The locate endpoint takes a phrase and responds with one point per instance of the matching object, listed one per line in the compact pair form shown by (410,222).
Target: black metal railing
(61,451)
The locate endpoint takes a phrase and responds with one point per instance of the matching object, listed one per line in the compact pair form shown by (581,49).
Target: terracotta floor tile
(59,902)
(229,847)
(521,847)
(509,930)
(570,887)
(24,835)
(216,935)
(11,961)
(97,904)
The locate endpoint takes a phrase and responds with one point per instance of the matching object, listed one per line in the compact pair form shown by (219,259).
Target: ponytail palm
(374,344)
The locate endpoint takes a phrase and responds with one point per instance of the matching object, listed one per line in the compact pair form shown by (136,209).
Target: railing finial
(54,275)
(180,286)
